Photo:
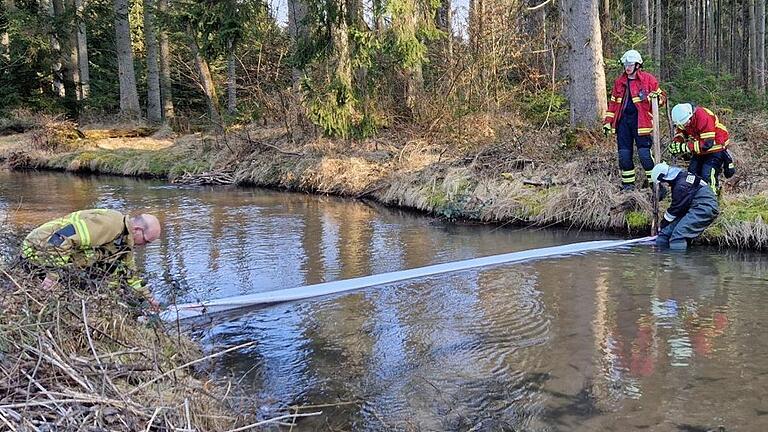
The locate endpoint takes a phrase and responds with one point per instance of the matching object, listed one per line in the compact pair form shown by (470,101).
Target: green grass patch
(746,209)
(637,220)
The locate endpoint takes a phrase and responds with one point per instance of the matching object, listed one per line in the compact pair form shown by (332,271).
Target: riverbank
(497,169)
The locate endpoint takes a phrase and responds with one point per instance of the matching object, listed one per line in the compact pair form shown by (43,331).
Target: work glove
(607,129)
(676,148)
(663,223)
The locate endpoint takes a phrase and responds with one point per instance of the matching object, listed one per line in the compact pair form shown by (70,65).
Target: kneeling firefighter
(694,206)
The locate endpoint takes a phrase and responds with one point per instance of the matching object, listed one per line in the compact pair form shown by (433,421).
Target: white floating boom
(190,310)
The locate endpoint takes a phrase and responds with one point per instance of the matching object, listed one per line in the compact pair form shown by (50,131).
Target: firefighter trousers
(709,167)
(687,227)
(626,137)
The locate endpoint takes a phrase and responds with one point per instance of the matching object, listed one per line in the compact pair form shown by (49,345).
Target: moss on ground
(746,209)
(637,220)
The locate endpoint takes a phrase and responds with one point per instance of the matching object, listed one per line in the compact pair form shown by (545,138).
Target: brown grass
(75,358)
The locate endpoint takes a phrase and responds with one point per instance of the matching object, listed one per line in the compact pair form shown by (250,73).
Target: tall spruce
(166,92)
(154,109)
(84,88)
(129,94)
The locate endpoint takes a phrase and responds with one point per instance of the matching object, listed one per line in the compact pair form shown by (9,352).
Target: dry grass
(75,358)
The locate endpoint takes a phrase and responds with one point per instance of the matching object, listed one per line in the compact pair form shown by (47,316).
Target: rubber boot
(678,245)
(662,240)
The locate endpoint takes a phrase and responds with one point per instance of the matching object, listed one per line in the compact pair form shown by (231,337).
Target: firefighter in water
(630,116)
(700,133)
(694,206)
(97,238)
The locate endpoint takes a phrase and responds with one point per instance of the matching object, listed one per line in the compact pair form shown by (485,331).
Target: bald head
(146,228)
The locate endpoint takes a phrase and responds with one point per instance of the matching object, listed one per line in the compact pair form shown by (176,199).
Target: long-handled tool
(671,129)
(656,158)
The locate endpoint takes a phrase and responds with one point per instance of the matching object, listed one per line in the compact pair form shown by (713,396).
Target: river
(628,339)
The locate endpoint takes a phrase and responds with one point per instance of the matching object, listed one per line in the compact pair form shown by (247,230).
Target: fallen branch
(271,146)
(185,365)
(274,420)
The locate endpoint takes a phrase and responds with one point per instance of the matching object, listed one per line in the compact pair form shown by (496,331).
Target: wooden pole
(656,159)
(673,158)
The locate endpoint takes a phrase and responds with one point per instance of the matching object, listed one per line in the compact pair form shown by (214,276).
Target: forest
(351,68)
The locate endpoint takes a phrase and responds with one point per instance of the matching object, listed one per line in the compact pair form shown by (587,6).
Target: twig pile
(76,359)
(206,178)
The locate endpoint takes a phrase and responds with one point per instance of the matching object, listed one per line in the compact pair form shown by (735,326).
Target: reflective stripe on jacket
(85,238)
(704,134)
(641,88)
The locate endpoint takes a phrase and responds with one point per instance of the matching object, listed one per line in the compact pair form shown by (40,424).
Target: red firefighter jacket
(704,133)
(641,88)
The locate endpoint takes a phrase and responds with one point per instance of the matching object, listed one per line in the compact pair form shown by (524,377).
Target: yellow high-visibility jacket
(85,238)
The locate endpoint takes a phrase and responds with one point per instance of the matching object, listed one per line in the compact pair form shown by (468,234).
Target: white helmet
(660,169)
(681,113)
(631,57)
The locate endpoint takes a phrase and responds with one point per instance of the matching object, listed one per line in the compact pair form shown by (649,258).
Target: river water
(619,340)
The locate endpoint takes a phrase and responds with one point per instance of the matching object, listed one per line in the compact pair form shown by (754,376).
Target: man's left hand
(154,304)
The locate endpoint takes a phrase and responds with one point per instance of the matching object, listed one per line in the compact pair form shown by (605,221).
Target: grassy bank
(488,169)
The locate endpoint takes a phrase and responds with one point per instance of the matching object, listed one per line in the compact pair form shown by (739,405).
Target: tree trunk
(165,65)
(231,80)
(760,13)
(206,83)
(340,41)
(718,38)
(732,39)
(406,24)
(643,19)
(606,25)
(5,40)
(82,53)
(297,28)
(744,31)
(67,37)
(657,43)
(752,45)
(586,90)
(690,18)
(56,72)
(129,95)
(443,20)
(154,113)
(378,14)
(701,30)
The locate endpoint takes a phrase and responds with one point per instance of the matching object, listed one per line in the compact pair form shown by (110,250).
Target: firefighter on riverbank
(694,206)
(92,239)
(699,132)
(629,115)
